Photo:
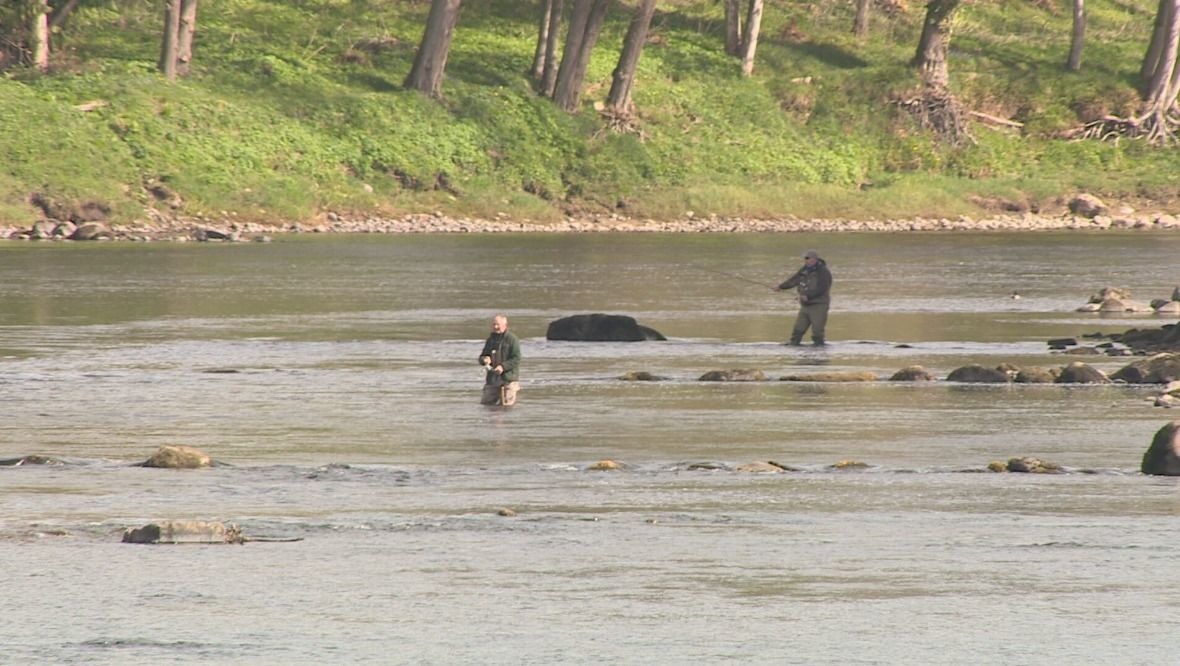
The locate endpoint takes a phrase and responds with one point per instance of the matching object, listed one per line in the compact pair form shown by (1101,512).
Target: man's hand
(499,369)
(802,299)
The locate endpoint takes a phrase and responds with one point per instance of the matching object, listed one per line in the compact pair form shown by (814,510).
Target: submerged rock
(171,532)
(735,375)
(1080,373)
(641,376)
(1035,376)
(912,373)
(30,460)
(178,457)
(1029,465)
(1158,369)
(832,377)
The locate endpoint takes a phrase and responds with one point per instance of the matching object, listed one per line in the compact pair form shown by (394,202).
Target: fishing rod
(735,276)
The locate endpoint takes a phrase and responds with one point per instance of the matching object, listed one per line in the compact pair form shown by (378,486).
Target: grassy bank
(296,108)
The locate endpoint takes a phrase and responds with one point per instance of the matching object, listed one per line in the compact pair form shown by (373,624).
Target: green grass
(295,108)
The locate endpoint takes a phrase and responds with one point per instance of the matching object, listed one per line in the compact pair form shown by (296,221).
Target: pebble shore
(207,229)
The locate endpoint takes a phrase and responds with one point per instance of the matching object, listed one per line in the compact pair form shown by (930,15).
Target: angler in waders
(813,283)
(501,360)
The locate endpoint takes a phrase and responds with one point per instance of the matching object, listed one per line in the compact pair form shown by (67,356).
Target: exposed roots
(937,110)
(1155,127)
(621,122)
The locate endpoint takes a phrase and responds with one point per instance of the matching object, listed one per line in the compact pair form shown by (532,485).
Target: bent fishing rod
(735,276)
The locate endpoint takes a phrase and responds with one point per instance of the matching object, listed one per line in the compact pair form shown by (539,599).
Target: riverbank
(207,229)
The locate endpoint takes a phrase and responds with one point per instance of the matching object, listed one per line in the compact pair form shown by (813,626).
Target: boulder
(600,328)
(735,375)
(1087,206)
(912,373)
(184,532)
(1111,293)
(1063,342)
(178,457)
(977,374)
(848,464)
(607,465)
(91,231)
(832,377)
(1168,307)
(760,467)
(1157,369)
(1162,458)
(1080,373)
(1035,376)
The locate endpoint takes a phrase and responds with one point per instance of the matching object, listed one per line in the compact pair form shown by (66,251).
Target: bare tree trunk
(1157,90)
(538,68)
(623,79)
(733,27)
(39,35)
(170,44)
(860,24)
(430,61)
(1159,34)
(750,40)
(188,26)
(549,75)
(60,15)
(588,16)
(934,43)
(1074,63)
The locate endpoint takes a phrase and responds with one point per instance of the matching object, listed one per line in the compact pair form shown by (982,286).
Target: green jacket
(504,349)
(814,284)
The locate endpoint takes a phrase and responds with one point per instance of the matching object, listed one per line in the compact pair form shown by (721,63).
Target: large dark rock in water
(977,374)
(1158,369)
(1162,458)
(172,531)
(600,328)
(1080,373)
(912,373)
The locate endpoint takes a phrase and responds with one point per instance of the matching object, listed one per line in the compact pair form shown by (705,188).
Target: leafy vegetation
(296,108)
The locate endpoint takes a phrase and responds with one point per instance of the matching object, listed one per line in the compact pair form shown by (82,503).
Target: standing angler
(814,283)
(501,359)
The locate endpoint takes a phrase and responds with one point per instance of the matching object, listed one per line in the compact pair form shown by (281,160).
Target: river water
(336,379)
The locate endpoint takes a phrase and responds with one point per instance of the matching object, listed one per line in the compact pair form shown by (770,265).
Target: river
(335,377)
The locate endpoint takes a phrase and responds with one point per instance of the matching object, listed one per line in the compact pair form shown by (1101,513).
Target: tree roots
(1157,127)
(937,110)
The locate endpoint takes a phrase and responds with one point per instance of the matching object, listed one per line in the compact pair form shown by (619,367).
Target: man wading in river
(501,358)
(813,282)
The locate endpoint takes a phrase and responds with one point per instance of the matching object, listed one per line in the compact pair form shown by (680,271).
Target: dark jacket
(504,349)
(813,284)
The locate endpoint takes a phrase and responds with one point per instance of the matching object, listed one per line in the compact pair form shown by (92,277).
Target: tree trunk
(170,44)
(733,27)
(549,76)
(430,62)
(538,68)
(934,43)
(39,35)
(585,25)
(60,15)
(750,40)
(1074,63)
(188,26)
(623,79)
(1159,39)
(860,24)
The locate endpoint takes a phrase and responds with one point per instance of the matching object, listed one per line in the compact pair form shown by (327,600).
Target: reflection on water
(337,379)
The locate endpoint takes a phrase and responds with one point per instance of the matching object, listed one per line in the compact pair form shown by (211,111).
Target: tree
(188,28)
(585,24)
(39,31)
(430,61)
(544,70)
(750,37)
(733,27)
(170,44)
(935,108)
(860,24)
(623,78)
(935,42)
(1077,38)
